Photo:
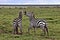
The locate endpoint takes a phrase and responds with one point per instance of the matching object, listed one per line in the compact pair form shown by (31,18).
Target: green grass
(51,15)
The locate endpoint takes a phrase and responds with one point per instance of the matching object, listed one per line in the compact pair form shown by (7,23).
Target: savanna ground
(51,15)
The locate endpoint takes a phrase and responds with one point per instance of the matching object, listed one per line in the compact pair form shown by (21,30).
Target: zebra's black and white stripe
(17,22)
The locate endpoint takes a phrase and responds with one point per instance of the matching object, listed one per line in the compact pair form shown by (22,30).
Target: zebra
(17,22)
(36,23)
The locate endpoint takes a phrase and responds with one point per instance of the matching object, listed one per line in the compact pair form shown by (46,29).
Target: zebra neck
(32,18)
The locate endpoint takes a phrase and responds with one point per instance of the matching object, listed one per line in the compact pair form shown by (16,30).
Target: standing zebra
(17,22)
(36,23)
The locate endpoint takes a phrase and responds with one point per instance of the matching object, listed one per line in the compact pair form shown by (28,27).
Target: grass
(51,15)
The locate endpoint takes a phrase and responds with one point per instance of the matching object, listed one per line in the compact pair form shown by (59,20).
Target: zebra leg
(43,29)
(16,30)
(14,27)
(21,29)
(20,25)
(30,28)
(46,30)
(34,30)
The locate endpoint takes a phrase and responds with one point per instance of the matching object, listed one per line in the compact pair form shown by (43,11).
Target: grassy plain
(51,15)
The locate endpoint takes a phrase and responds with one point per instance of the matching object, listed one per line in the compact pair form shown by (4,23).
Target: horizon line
(29,3)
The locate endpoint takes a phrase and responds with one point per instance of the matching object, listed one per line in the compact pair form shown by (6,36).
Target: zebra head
(29,14)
